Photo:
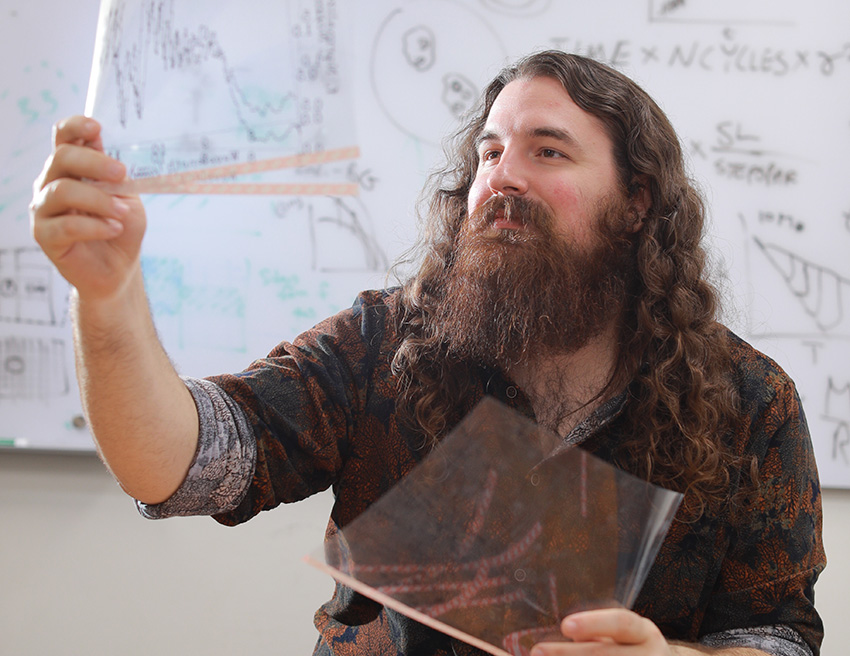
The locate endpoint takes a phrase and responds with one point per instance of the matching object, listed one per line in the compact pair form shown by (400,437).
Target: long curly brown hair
(672,348)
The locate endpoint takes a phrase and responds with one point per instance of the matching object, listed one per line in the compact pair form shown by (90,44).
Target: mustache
(519,209)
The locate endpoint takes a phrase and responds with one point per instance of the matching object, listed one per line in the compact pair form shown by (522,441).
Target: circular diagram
(425,74)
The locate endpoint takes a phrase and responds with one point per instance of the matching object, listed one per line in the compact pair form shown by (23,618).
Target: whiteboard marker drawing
(180,88)
(836,411)
(31,291)
(822,292)
(425,46)
(33,369)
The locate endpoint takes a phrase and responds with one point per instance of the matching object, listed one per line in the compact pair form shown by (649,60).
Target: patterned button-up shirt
(321,412)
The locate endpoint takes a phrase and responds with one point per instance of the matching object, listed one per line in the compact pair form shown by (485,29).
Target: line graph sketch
(182,87)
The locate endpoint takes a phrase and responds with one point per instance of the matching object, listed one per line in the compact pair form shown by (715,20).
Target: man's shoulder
(370,318)
(376,308)
(747,357)
(383,300)
(759,377)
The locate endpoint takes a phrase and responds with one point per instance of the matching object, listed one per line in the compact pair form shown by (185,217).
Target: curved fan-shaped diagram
(820,290)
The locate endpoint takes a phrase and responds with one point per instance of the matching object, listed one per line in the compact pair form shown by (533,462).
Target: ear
(640,200)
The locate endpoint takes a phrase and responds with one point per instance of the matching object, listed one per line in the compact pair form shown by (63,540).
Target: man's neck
(565,388)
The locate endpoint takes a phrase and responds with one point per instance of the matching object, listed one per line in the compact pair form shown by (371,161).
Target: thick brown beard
(510,295)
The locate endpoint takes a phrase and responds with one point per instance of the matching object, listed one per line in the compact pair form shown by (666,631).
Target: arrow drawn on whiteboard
(819,290)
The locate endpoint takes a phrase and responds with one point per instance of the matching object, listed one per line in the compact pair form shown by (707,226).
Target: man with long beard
(561,272)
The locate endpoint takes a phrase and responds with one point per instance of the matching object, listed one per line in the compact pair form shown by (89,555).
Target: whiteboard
(757,90)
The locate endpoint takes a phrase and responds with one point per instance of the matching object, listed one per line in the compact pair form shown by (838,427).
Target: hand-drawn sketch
(33,369)
(426,45)
(344,222)
(837,412)
(725,52)
(31,291)
(823,293)
(726,12)
(183,88)
(459,94)
(420,47)
(742,157)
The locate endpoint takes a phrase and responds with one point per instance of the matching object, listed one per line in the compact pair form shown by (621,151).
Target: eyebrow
(558,134)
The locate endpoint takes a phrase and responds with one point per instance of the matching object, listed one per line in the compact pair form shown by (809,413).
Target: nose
(508,176)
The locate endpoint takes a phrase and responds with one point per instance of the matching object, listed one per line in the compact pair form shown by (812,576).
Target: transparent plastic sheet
(502,531)
(188,92)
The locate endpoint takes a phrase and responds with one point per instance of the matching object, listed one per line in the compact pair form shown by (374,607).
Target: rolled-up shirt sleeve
(774,640)
(221,472)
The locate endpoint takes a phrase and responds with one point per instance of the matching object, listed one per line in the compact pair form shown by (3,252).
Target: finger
(68,211)
(622,626)
(66,196)
(77,130)
(58,236)
(72,161)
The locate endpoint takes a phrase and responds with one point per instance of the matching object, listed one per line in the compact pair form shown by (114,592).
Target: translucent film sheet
(502,531)
(188,91)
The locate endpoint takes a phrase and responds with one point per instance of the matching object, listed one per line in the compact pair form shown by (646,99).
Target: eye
(489,155)
(551,153)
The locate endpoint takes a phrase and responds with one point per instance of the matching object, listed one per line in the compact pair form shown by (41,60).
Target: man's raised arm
(142,416)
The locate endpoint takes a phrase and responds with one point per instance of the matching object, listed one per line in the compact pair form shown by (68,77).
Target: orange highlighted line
(187,182)
(257,189)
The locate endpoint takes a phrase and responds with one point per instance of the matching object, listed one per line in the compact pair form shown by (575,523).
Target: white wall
(82,573)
